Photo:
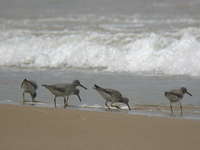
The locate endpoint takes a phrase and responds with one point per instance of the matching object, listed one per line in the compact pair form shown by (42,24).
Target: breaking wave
(107,45)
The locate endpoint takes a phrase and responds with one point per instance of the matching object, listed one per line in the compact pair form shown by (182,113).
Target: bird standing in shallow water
(175,96)
(113,96)
(64,90)
(30,87)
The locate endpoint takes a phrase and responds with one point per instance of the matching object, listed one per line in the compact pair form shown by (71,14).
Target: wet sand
(26,127)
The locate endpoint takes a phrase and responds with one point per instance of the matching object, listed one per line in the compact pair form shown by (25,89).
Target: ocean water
(140,47)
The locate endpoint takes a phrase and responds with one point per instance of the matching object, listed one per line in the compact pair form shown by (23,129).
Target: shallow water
(145,92)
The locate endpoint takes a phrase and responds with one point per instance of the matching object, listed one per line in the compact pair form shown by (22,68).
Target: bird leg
(33,99)
(181,108)
(66,102)
(171,109)
(23,94)
(79,97)
(55,101)
(106,103)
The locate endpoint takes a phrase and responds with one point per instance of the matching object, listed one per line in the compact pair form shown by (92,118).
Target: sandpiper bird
(113,96)
(30,87)
(176,95)
(64,90)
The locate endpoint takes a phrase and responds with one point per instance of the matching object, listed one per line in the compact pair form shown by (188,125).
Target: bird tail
(23,82)
(45,85)
(97,87)
(166,93)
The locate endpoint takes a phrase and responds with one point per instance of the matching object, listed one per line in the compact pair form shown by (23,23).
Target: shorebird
(113,96)
(175,96)
(64,90)
(30,87)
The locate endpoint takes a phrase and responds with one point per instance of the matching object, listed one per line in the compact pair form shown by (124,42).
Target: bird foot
(107,109)
(65,105)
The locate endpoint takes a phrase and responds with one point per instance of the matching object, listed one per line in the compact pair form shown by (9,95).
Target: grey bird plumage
(30,87)
(64,90)
(113,96)
(175,96)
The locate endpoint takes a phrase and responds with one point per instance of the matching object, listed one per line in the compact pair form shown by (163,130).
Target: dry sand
(32,128)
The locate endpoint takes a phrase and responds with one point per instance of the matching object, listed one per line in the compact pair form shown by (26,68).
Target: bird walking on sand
(175,96)
(30,87)
(65,90)
(113,96)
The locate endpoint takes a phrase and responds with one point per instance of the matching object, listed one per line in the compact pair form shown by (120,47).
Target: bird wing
(60,89)
(179,95)
(62,85)
(112,92)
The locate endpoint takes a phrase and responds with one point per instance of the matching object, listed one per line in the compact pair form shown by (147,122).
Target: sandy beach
(34,128)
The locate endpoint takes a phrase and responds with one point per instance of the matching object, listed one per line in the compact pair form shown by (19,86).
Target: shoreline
(25,127)
(190,112)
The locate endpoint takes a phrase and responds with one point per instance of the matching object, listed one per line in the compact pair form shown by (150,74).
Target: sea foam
(102,46)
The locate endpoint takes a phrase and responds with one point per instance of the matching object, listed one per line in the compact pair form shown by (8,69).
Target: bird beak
(128,106)
(83,86)
(189,93)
